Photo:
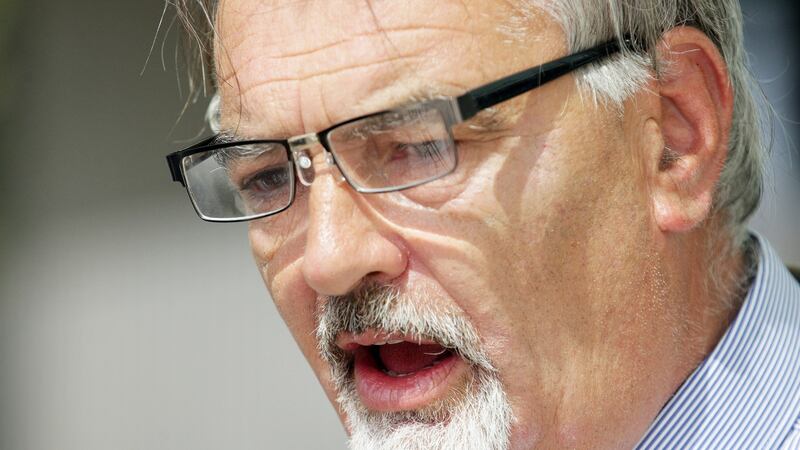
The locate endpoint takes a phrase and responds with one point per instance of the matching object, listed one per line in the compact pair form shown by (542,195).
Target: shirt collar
(745,393)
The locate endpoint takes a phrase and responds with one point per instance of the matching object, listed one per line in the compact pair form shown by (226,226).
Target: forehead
(291,67)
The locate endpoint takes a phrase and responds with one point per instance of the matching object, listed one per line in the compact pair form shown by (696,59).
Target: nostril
(389,276)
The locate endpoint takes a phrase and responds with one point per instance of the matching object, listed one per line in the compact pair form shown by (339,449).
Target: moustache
(383,308)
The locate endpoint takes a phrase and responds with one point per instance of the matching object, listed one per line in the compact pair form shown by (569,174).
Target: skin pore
(576,253)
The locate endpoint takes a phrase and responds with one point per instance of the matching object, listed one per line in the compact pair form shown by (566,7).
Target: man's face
(524,287)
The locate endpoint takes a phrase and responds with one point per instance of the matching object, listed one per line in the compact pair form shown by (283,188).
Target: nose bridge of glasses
(304,149)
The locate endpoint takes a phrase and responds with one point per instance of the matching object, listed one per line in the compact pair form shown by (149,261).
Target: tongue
(407,357)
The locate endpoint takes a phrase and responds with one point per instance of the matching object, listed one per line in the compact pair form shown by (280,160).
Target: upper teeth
(390,342)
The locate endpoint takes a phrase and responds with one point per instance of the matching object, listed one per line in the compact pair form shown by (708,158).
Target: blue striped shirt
(746,393)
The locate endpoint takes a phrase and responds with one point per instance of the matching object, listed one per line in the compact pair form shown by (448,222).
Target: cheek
(296,303)
(515,248)
(293,298)
(470,247)
(271,237)
(277,245)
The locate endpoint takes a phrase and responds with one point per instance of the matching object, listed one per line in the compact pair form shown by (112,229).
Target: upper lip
(350,341)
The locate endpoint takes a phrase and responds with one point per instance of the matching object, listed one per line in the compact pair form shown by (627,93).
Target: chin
(409,377)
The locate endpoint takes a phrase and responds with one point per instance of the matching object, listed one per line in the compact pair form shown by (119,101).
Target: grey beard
(480,417)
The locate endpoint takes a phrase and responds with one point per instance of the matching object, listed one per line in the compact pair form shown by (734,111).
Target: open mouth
(400,373)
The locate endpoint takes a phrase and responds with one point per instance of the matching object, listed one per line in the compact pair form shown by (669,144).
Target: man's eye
(267,181)
(425,150)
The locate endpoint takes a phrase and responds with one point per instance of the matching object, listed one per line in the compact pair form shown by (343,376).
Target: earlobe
(696,106)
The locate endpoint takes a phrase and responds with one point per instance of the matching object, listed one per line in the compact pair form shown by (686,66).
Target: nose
(346,242)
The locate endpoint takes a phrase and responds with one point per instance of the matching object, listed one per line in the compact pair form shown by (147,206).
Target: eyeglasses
(232,181)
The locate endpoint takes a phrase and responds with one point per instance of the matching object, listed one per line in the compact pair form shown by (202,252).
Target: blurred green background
(126,322)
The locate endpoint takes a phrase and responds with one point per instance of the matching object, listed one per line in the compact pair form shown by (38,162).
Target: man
(539,240)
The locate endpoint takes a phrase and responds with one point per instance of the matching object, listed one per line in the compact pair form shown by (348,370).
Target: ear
(689,141)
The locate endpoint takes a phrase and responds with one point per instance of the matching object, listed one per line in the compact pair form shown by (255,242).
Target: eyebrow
(487,121)
(229,137)
(230,155)
(490,120)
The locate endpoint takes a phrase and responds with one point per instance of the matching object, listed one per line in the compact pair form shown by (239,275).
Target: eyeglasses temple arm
(511,86)
(174,159)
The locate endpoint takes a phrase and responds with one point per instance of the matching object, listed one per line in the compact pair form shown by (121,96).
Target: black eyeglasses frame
(465,107)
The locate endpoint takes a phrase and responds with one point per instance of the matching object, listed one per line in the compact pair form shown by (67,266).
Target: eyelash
(429,149)
(248,184)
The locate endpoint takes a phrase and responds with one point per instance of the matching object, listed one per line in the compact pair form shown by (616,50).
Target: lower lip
(381,392)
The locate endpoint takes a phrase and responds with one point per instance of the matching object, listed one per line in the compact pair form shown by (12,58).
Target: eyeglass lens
(394,150)
(240,181)
(389,151)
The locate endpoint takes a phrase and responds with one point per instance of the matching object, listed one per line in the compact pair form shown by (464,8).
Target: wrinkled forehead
(288,67)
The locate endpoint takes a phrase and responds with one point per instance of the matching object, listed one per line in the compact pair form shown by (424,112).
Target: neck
(718,276)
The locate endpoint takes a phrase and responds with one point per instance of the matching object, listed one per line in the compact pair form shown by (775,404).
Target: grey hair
(481,419)
(195,46)
(589,22)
